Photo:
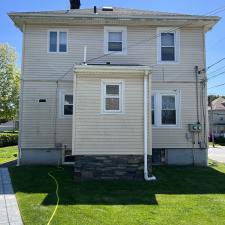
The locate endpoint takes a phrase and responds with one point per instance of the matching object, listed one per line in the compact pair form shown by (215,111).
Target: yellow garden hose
(57,196)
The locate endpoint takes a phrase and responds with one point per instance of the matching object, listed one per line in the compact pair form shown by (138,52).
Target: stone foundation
(110,166)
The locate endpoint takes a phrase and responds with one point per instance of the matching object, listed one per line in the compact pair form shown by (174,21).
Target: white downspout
(146,175)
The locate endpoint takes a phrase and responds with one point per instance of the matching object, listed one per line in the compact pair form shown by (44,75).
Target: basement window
(58,41)
(158,156)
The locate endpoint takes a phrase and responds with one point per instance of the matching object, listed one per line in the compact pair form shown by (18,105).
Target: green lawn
(181,195)
(8,154)
(216,144)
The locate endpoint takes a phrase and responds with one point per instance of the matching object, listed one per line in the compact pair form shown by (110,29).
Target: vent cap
(107,8)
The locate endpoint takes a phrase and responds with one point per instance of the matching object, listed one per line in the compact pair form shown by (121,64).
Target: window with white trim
(115,40)
(112,96)
(168,45)
(58,41)
(66,104)
(166,109)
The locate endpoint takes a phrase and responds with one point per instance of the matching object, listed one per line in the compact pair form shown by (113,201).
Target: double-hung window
(166,109)
(112,96)
(115,40)
(168,45)
(66,104)
(58,41)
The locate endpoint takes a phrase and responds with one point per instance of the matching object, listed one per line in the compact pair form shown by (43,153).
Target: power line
(219,85)
(214,76)
(217,62)
(215,11)
(216,70)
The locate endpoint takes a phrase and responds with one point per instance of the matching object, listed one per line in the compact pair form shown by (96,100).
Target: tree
(9,83)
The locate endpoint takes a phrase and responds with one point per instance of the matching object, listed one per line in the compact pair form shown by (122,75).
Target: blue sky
(215,39)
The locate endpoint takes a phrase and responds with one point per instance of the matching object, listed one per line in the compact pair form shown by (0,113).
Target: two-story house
(120,88)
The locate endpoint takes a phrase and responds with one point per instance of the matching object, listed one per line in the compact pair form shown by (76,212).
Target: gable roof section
(119,16)
(218,104)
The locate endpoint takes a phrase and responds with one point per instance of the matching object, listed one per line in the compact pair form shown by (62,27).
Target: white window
(112,99)
(58,41)
(166,109)
(66,104)
(168,45)
(115,40)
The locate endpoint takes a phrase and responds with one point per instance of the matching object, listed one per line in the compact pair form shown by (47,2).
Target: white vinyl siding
(115,40)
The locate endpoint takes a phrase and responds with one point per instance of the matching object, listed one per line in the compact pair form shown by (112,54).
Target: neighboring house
(135,92)
(8,126)
(217,117)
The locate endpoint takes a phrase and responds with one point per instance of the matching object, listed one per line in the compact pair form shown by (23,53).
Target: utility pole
(211,122)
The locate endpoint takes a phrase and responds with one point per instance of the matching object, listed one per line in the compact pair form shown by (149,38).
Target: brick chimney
(75,4)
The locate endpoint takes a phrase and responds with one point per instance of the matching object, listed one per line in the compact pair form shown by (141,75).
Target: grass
(216,144)
(8,154)
(181,195)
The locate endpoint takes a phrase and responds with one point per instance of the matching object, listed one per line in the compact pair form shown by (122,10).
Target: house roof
(218,104)
(124,16)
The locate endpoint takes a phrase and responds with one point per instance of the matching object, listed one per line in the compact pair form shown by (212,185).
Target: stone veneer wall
(110,166)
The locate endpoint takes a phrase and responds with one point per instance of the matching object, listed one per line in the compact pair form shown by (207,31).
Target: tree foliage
(9,83)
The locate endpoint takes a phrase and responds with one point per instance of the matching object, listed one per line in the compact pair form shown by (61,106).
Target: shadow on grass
(170,180)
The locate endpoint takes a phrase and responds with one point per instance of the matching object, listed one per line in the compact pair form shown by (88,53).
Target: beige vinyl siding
(98,133)
(180,137)
(39,127)
(42,69)
(39,64)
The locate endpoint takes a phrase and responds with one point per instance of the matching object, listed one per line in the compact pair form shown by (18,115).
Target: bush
(8,139)
(220,140)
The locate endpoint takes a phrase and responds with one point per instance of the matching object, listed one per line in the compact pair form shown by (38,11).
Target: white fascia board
(107,68)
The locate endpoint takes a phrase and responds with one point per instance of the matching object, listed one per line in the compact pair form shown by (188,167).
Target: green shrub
(8,139)
(220,140)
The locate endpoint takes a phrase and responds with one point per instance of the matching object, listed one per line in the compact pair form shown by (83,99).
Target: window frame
(154,109)
(158,108)
(104,83)
(176,33)
(63,93)
(107,30)
(58,31)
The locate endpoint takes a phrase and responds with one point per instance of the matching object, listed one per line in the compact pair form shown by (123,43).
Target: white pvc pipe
(85,55)
(146,175)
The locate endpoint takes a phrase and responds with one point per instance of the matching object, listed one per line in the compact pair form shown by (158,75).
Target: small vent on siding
(42,100)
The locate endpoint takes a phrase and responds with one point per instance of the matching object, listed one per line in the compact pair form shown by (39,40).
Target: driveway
(217,154)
